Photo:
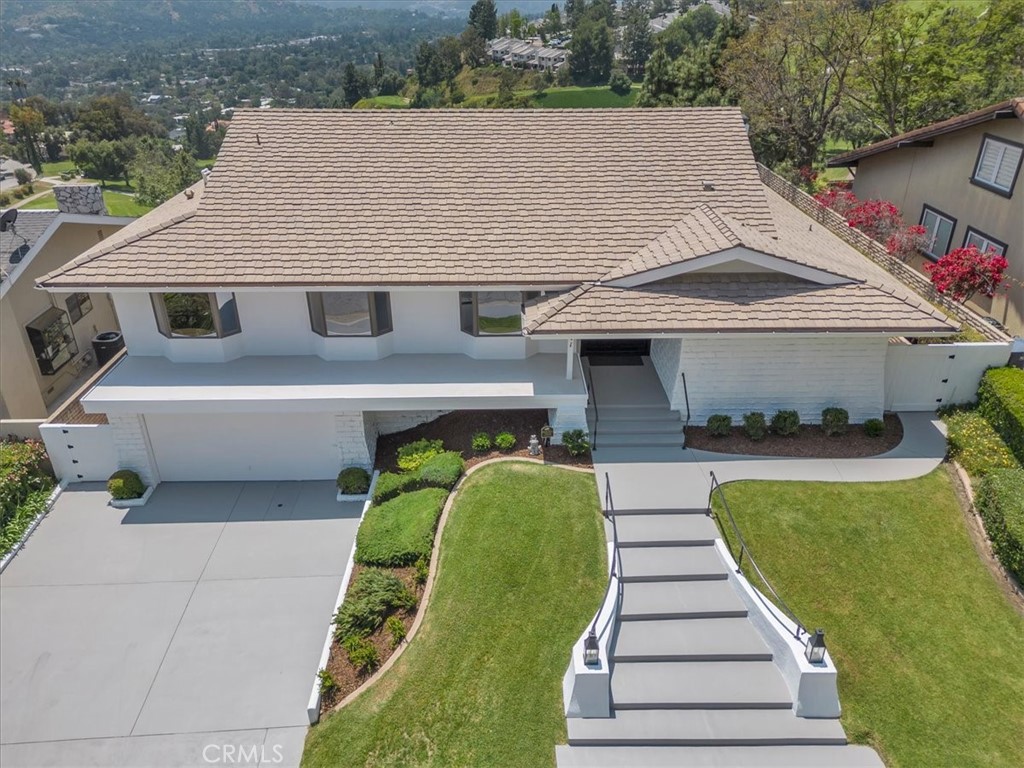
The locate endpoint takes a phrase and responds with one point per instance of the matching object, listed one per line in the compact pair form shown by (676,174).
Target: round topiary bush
(481,442)
(786,423)
(755,426)
(874,427)
(353,481)
(505,441)
(834,421)
(576,442)
(125,484)
(719,425)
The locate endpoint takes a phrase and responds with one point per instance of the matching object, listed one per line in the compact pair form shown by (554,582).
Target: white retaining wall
(81,452)
(735,375)
(922,377)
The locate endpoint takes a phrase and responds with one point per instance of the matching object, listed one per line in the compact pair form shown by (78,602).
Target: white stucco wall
(735,375)
(277,323)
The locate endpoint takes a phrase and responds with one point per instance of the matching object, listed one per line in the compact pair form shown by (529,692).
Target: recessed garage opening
(615,351)
(249,446)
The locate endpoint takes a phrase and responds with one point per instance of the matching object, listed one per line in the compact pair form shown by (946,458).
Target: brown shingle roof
(367,197)
(1009,108)
(732,303)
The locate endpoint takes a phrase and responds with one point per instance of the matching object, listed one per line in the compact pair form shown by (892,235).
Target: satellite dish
(7,219)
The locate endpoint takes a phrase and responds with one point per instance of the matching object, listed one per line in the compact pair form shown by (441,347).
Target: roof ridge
(560,303)
(911,299)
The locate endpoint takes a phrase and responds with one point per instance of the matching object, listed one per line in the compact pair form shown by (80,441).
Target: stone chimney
(80,198)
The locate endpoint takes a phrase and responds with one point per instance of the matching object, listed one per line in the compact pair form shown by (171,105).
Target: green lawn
(208,163)
(577,97)
(382,102)
(56,169)
(118,204)
(930,653)
(522,570)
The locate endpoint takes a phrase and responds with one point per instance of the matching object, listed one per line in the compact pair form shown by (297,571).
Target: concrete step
(704,727)
(640,440)
(645,601)
(639,426)
(698,685)
(671,564)
(693,511)
(728,639)
(817,756)
(635,413)
(666,530)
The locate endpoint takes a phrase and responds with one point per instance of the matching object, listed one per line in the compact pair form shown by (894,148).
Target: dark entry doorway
(615,351)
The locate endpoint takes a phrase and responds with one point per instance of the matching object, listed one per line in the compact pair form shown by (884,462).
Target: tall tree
(592,51)
(350,84)
(792,70)
(661,81)
(637,38)
(483,17)
(103,160)
(574,12)
(474,47)
(160,172)
(553,20)
(28,125)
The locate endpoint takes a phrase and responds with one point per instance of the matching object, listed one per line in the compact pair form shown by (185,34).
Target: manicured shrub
(442,470)
(835,421)
(125,484)
(422,566)
(328,685)
(720,425)
(396,629)
(481,442)
(576,442)
(755,426)
(786,423)
(1001,401)
(1000,500)
(412,455)
(974,443)
(390,484)
(374,594)
(353,481)
(874,427)
(504,441)
(362,654)
(24,469)
(401,530)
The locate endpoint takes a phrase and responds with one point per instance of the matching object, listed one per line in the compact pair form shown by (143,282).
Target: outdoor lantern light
(534,446)
(591,650)
(815,650)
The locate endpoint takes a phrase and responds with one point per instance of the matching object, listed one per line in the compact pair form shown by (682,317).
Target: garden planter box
(126,503)
(353,496)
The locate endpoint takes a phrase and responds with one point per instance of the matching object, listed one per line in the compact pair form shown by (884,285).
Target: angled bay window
(349,313)
(492,313)
(196,315)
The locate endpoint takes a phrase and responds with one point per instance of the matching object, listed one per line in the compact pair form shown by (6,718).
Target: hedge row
(400,531)
(1001,401)
(1000,500)
(441,470)
(974,444)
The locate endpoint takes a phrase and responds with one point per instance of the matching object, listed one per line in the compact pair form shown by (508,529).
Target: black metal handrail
(615,567)
(591,399)
(744,549)
(686,396)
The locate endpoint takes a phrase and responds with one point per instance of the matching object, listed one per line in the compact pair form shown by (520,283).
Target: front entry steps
(693,682)
(638,426)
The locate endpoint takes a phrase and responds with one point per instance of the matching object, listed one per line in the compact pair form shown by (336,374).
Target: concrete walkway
(693,681)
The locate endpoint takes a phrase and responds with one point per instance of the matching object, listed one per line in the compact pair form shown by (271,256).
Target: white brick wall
(767,373)
(564,419)
(132,449)
(665,358)
(356,443)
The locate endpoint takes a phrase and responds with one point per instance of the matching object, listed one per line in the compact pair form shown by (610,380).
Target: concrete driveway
(184,632)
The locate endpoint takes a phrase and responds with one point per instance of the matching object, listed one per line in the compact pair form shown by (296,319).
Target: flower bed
(809,441)
(25,485)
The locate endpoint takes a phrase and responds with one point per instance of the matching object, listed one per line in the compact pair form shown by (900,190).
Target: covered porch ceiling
(310,384)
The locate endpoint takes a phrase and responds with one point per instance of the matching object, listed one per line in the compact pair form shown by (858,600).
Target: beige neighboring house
(960,179)
(46,338)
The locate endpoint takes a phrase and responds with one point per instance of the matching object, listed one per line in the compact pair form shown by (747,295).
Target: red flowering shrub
(839,200)
(963,272)
(904,243)
(878,219)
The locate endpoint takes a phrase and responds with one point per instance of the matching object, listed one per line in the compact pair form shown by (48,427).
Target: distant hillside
(32,30)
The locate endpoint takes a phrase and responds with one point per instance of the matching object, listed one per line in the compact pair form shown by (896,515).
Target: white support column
(353,440)
(570,358)
(131,441)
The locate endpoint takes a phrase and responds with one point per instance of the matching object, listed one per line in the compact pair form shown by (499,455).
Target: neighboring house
(960,179)
(45,339)
(525,54)
(405,268)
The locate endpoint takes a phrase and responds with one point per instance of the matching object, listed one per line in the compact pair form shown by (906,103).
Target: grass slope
(928,649)
(574,97)
(522,570)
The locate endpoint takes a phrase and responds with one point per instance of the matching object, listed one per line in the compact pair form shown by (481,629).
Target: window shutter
(989,163)
(1008,167)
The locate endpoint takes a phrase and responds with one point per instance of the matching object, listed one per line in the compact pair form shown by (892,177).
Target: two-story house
(45,339)
(402,266)
(959,179)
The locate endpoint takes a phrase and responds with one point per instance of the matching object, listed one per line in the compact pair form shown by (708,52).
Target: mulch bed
(456,430)
(345,675)
(811,442)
